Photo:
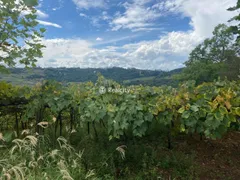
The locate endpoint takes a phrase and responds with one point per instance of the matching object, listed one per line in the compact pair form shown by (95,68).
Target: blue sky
(145,34)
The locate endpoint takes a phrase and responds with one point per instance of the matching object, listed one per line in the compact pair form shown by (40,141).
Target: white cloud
(204,17)
(161,54)
(45,23)
(96,20)
(148,29)
(78,53)
(136,16)
(169,52)
(115,40)
(99,39)
(83,15)
(173,48)
(40,2)
(105,16)
(41,14)
(204,14)
(87,4)
(177,43)
(141,15)
(64,52)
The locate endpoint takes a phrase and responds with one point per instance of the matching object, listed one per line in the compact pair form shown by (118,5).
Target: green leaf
(31,2)
(42,30)
(181,110)
(237,111)
(194,108)
(223,110)
(139,107)
(138,122)
(148,117)
(191,122)
(207,133)
(182,128)
(110,137)
(210,117)
(124,124)
(186,114)
(219,116)
(231,118)
(8,137)
(202,113)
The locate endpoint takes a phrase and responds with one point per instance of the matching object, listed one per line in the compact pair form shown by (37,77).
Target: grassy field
(21,78)
(82,156)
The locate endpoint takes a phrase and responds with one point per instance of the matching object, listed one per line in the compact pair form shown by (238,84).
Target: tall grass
(31,158)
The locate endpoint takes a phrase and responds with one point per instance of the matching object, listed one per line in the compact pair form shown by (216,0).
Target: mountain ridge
(130,76)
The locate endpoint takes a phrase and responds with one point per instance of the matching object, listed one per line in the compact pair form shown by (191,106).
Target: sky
(143,34)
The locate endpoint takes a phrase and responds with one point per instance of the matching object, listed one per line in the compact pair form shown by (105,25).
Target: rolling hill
(21,76)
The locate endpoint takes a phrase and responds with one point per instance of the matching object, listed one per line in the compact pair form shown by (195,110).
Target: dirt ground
(216,159)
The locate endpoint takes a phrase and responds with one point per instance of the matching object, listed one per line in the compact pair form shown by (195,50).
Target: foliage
(213,49)
(20,76)
(236,29)
(207,109)
(216,56)
(25,160)
(20,40)
(202,71)
(50,110)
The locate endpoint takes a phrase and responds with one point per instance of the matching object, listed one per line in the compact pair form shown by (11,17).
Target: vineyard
(208,110)
(102,110)
(107,90)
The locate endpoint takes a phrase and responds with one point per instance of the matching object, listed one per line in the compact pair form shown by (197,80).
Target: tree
(232,65)
(202,71)
(214,57)
(236,29)
(20,39)
(213,49)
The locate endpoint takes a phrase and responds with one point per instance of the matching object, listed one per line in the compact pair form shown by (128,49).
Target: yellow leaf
(214,104)
(219,99)
(237,110)
(228,105)
(186,96)
(188,106)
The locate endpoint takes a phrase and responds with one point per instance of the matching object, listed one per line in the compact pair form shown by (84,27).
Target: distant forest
(124,76)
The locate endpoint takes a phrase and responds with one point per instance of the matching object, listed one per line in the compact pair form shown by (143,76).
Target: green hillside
(20,76)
